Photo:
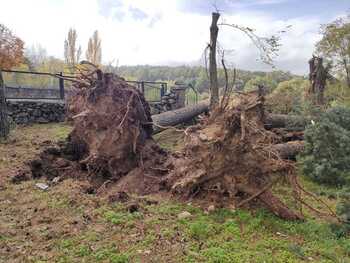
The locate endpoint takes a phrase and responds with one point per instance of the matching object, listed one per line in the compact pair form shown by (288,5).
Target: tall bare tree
(267,46)
(213,72)
(36,55)
(72,52)
(94,51)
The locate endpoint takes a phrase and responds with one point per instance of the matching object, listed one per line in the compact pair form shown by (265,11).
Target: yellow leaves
(11,48)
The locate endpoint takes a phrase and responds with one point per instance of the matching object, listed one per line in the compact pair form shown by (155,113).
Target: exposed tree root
(233,155)
(230,156)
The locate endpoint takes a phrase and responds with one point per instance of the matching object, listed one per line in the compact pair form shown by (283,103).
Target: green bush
(326,158)
(288,97)
(342,229)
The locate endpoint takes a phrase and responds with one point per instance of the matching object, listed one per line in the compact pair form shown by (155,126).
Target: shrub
(326,158)
(343,211)
(288,97)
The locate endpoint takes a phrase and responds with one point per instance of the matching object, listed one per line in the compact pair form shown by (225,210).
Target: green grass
(65,225)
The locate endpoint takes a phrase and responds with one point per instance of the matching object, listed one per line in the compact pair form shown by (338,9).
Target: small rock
(310,258)
(184,215)
(280,234)
(211,208)
(56,180)
(147,252)
(42,186)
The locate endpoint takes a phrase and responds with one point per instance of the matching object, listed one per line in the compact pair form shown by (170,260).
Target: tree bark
(4,124)
(172,118)
(318,77)
(283,120)
(288,150)
(347,73)
(175,117)
(213,76)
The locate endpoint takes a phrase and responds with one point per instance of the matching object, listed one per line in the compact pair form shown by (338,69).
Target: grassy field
(63,224)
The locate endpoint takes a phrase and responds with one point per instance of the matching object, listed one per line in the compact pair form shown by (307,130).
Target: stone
(211,208)
(42,120)
(25,112)
(184,215)
(56,180)
(36,113)
(42,186)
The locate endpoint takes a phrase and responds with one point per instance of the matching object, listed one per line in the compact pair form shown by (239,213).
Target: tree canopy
(335,45)
(11,48)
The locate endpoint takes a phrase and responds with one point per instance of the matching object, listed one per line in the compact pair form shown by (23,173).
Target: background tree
(288,96)
(36,55)
(266,81)
(94,51)
(72,53)
(11,48)
(335,45)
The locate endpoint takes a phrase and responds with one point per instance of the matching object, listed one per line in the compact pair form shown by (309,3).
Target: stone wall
(36,111)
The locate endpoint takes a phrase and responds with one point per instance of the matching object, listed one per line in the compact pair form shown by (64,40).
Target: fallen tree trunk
(294,122)
(288,150)
(175,117)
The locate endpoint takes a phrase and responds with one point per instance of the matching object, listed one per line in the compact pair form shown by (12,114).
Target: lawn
(64,224)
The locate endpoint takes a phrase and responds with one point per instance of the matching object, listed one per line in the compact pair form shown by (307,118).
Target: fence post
(142,87)
(4,123)
(162,90)
(61,86)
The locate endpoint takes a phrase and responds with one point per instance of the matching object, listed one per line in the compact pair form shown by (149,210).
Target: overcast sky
(171,32)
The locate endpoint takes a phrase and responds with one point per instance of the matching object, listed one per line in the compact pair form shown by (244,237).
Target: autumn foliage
(11,48)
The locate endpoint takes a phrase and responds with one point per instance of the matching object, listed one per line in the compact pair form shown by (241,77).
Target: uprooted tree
(229,158)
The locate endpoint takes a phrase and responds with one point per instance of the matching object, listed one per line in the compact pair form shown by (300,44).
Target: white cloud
(163,34)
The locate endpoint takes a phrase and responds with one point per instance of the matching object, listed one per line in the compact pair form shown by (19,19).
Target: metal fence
(152,90)
(34,85)
(43,85)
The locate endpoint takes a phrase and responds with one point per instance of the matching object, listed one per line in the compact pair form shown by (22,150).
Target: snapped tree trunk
(4,124)
(318,77)
(347,71)
(213,75)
